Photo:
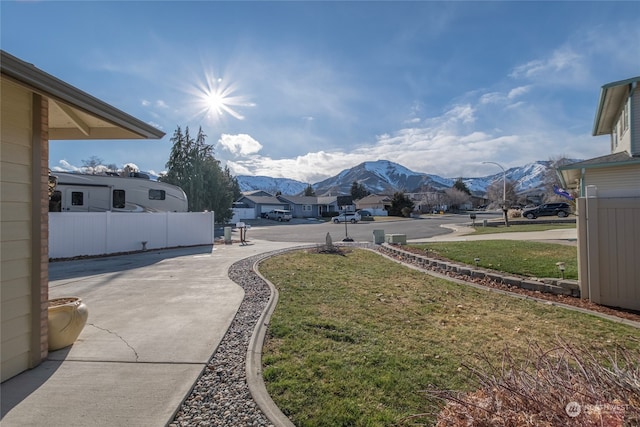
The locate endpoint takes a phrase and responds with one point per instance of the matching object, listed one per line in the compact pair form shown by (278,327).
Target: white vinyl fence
(240,214)
(97,233)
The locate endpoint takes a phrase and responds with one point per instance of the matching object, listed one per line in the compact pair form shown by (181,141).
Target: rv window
(77,198)
(118,199)
(156,194)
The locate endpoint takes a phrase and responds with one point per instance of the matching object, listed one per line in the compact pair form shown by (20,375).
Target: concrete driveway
(155,320)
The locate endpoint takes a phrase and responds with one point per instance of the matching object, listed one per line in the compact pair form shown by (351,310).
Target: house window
(77,198)
(625,116)
(156,194)
(306,208)
(118,199)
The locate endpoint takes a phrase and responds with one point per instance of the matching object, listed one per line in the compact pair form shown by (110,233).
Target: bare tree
(495,193)
(456,198)
(91,165)
(551,178)
(431,200)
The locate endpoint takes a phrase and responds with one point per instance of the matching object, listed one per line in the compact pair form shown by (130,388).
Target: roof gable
(262,200)
(374,198)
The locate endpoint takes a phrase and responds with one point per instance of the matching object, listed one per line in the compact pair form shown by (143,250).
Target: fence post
(593,255)
(107,233)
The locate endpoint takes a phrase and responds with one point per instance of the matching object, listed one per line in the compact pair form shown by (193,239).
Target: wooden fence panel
(609,251)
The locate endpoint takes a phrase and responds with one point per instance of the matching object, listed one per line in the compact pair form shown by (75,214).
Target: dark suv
(548,209)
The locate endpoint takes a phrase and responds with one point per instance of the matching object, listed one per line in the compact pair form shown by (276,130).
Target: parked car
(364,213)
(279,215)
(352,217)
(548,209)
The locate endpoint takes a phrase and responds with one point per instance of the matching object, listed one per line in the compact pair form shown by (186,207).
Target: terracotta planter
(67,317)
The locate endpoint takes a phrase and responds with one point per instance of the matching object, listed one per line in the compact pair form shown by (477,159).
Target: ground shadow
(69,269)
(18,388)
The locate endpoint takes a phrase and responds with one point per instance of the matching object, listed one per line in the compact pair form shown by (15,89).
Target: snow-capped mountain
(271,185)
(385,177)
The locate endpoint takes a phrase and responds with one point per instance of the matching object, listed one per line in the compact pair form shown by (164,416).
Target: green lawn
(355,339)
(534,259)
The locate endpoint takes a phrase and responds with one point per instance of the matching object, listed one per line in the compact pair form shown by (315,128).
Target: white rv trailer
(76,192)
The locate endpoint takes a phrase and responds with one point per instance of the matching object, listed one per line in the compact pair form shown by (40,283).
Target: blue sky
(303,90)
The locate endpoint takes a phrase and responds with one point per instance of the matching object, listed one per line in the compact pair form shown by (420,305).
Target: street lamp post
(504,191)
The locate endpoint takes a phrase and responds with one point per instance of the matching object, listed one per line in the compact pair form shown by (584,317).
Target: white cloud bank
(450,145)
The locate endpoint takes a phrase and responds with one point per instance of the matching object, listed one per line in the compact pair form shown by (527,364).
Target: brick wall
(44,228)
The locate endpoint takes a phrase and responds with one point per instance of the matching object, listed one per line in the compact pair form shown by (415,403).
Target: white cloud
(518,91)
(65,166)
(561,63)
(239,145)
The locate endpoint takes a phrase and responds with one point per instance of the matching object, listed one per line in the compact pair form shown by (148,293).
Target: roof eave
(609,93)
(57,89)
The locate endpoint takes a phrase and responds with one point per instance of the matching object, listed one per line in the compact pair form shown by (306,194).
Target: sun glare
(216,97)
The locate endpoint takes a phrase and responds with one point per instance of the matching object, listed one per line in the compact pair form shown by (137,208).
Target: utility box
(378,237)
(396,239)
(227,234)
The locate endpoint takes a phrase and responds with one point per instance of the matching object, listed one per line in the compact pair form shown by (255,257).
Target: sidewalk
(461,231)
(155,320)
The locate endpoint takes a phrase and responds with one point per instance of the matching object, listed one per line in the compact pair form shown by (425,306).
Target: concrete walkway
(155,320)
(460,233)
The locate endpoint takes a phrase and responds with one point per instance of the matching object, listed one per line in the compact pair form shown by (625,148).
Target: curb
(253,364)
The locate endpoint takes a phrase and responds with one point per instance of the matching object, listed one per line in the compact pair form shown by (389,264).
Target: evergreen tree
(401,205)
(233,183)
(358,191)
(309,191)
(193,167)
(461,186)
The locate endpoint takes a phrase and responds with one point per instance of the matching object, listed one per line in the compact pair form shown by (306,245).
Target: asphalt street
(305,230)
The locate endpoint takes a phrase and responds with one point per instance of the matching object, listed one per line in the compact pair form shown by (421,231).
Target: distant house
(35,108)
(378,205)
(327,205)
(302,206)
(258,202)
(608,203)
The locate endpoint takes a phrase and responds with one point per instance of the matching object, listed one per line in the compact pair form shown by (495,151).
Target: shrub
(567,386)
(514,213)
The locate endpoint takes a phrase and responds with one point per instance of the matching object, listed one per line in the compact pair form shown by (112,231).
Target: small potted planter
(67,317)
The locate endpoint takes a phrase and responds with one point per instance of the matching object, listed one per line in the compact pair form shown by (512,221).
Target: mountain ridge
(387,177)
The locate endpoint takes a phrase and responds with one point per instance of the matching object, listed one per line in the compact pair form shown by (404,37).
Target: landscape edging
(548,285)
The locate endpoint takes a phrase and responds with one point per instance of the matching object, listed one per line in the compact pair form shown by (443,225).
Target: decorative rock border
(548,285)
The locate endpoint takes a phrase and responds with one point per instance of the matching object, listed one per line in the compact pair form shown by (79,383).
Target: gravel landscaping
(221,396)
